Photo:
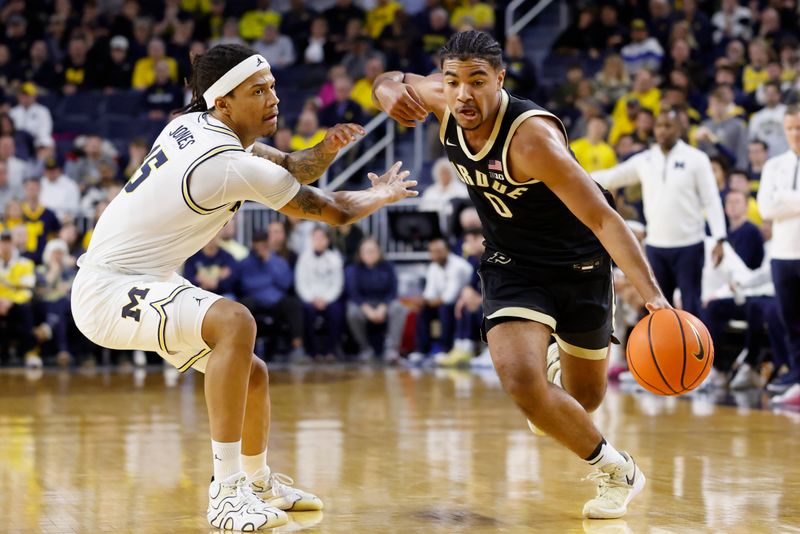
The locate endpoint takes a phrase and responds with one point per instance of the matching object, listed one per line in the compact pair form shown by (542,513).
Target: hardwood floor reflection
(388,451)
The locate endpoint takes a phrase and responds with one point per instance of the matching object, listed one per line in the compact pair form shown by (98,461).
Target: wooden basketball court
(389,451)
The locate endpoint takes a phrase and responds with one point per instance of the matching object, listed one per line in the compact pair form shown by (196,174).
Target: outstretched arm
(539,149)
(409,97)
(345,207)
(309,164)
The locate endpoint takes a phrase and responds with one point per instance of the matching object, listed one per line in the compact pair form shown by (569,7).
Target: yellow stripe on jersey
(443,127)
(158,306)
(187,197)
(221,130)
(498,122)
(513,129)
(193,360)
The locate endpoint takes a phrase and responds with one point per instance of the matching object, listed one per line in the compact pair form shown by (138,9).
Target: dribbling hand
(395,183)
(657,303)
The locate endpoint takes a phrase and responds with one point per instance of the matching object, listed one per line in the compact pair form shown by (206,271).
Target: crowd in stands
(85,86)
(729,69)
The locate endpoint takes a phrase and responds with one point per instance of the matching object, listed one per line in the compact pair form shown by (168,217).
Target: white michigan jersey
(127,294)
(190,185)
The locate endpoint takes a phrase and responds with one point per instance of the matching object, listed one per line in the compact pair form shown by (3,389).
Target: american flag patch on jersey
(495,165)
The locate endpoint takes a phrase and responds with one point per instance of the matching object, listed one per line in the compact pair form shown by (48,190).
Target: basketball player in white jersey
(127,294)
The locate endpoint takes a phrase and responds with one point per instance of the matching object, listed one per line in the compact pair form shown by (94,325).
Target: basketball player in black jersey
(549,231)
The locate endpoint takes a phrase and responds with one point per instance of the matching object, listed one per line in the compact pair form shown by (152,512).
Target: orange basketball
(670,352)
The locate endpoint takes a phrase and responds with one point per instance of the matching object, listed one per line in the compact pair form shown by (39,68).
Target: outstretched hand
(341,135)
(401,102)
(394,181)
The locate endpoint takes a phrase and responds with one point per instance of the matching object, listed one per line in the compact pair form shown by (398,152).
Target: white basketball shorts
(122,311)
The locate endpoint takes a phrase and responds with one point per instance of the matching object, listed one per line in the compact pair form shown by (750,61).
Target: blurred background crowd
(85,86)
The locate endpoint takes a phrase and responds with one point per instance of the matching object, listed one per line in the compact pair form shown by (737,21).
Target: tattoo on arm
(308,201)
(305,165)
(308,165)
(272,154)
(278,158)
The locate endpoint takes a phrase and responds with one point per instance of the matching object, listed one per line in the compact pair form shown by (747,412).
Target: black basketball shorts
(576,302)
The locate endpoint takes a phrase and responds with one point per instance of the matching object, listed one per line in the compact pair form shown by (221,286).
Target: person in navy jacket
(371,286)
(212,269)
(264,282)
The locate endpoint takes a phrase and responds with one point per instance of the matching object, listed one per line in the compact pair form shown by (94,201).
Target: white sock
(603,455)
(252,464)
(226,459)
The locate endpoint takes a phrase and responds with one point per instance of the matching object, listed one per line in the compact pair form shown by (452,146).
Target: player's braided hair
(473,44)
(209,67)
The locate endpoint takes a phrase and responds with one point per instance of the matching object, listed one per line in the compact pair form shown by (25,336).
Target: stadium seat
(74,125)
(120,127)
(85,104)
(125,103)
(49,100)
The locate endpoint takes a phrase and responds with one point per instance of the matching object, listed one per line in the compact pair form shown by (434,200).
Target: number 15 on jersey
(156,159)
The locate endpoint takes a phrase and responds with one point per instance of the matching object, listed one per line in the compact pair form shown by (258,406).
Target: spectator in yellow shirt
(624,124)
(251,27)
(755,72)
(479,15)
(592,151)
(308,133)
(381,16)
(12,215)
(196,7)
(738,180)
(788,57)
(648,96)
(144,72)
(362,90)
(17,279)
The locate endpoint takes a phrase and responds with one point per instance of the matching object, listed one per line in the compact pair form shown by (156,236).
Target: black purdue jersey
(525,221)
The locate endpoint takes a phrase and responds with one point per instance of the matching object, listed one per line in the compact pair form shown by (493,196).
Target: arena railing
(514,26)
(253,217)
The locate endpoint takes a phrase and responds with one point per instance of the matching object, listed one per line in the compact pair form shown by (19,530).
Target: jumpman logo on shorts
(199,300)
(500,258)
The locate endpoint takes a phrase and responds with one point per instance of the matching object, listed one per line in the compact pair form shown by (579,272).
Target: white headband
(234,77)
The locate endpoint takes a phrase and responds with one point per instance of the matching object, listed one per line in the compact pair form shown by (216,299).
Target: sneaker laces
(244,490)
(280,483)
(606,481)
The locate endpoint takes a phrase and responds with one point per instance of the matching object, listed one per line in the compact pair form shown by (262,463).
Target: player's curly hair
(473,44)
(209,67)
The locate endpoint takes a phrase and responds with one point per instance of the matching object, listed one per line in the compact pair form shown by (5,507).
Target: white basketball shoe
(617,485)
(553,376)
(232,505)
(277,489)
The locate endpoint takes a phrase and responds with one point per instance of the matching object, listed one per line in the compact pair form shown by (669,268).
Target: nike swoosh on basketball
(699,355)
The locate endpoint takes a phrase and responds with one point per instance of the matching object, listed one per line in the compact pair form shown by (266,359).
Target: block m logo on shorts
(132,308)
